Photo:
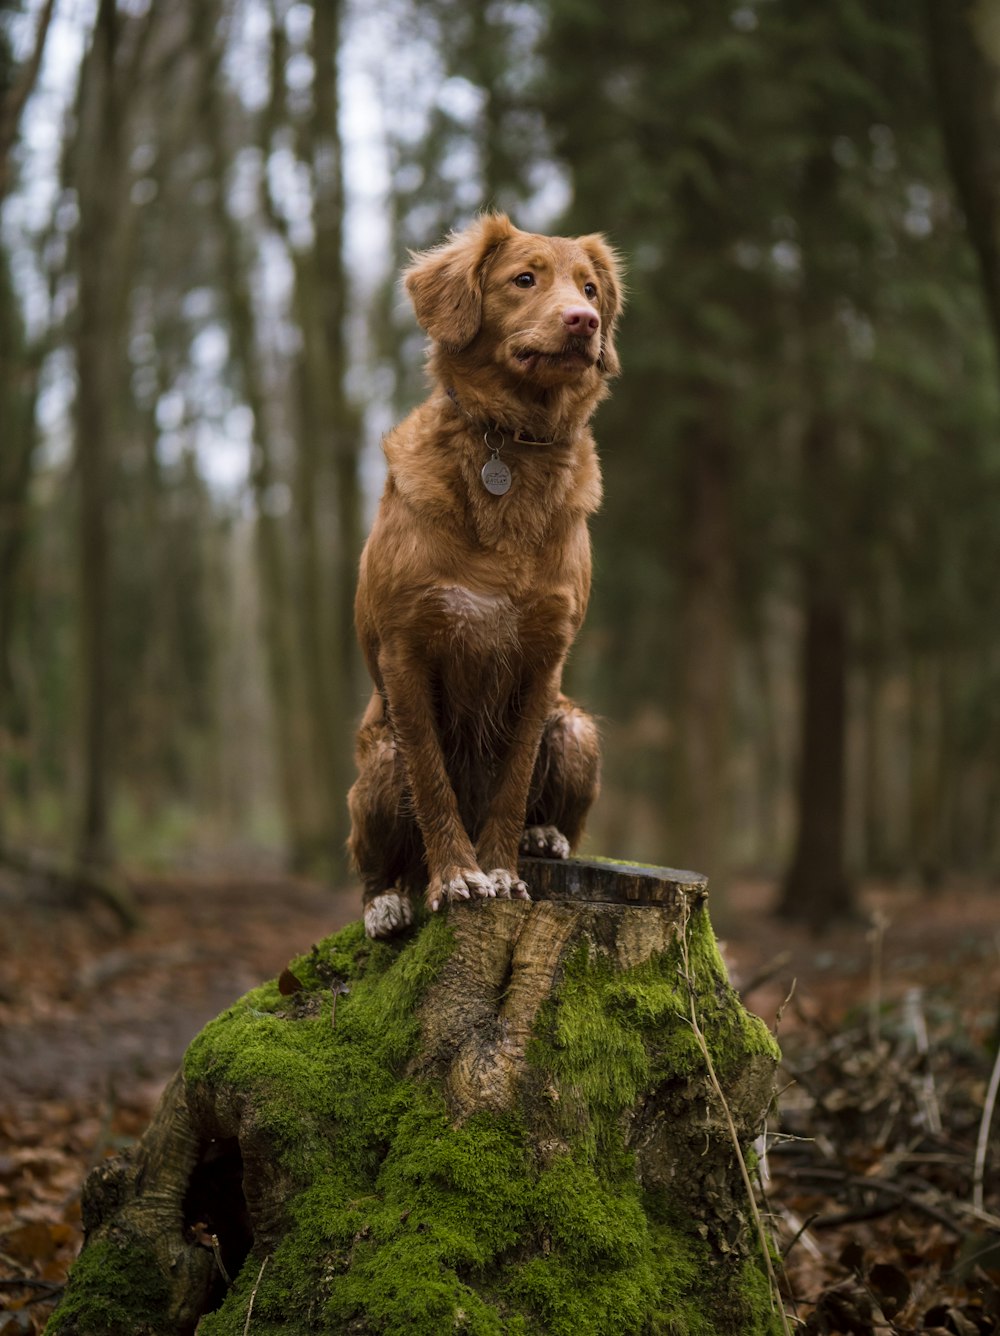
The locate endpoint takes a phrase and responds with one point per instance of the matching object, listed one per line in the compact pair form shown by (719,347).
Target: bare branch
(17,98)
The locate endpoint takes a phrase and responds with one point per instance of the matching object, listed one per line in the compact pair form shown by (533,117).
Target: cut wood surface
(500,1122)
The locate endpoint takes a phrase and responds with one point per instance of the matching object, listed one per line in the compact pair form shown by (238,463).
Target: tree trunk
(327,452)
(100,176)
(504,1121)
(704,650)
(18,390)
(817,888)
(111,78)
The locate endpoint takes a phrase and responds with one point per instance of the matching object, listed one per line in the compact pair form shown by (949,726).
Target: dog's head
(542,309)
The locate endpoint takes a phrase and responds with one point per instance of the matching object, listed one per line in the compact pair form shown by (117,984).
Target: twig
(734,1135)
(253,1295)
(914,1014)
(779,1014)
(802,1235)
(876,936)
(984,1134)
(216,1249)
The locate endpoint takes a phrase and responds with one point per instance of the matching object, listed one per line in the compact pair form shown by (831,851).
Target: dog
(476,574)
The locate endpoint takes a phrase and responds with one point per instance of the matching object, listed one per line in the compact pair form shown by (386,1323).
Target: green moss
(118,1290)
(607,1035)
(406,1225)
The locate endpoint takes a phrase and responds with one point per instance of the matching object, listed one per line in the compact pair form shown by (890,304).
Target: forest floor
(888,1037)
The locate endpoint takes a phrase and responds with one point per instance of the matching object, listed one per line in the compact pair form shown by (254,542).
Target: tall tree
(109,81)
(19,367)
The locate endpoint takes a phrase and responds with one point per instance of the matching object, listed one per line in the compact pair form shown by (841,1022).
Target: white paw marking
(507,885)
(544,842)
(386,914)
(459,884)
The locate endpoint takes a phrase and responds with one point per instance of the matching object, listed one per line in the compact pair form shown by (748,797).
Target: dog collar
(495,434)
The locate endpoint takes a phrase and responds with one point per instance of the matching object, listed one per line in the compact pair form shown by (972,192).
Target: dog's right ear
(446,284)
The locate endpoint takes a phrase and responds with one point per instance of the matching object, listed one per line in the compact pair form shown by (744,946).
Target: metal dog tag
(496,476)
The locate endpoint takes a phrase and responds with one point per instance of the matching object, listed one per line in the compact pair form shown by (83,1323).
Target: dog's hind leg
(384,844)
(565,783)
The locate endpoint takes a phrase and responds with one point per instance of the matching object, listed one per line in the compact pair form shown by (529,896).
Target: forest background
(794,639)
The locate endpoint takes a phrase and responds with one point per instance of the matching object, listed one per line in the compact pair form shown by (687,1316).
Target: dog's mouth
(575,354)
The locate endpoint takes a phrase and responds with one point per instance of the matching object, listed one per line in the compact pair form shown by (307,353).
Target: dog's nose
(581,320)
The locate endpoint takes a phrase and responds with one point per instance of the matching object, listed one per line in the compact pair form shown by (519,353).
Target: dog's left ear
(611,297)
(446,284)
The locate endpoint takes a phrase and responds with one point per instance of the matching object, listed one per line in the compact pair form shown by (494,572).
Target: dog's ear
(446,284)
(611,296)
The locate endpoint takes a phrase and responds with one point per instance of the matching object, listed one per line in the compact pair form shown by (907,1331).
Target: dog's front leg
(453,873)
(500,839)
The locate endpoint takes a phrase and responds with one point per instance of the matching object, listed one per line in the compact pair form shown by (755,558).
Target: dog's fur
(468,602)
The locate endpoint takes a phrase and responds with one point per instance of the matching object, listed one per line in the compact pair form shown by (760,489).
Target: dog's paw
(508,885)
(544,842)
(458,883)
(387,913)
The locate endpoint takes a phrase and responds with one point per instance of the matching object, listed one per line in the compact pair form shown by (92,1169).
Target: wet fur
(468,603)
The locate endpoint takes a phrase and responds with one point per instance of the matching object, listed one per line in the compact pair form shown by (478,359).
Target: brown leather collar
(494,430)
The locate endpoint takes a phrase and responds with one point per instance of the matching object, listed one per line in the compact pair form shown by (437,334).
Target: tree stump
(502,1122)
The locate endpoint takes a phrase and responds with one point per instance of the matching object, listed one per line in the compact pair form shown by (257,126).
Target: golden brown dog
(476,575)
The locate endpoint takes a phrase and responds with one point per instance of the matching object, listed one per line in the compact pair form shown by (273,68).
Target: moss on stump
(502,1122)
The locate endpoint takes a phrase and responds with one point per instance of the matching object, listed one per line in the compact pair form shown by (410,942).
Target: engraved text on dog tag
(496,476)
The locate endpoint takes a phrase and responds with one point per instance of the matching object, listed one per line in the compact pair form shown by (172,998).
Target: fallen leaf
(288,983)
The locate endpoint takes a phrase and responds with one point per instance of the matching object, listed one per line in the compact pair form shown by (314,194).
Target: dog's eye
(590,291)
(524,281)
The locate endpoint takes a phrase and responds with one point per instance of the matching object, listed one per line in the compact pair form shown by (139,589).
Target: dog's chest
(471,625)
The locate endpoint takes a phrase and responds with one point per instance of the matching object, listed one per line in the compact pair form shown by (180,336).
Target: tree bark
(502,1122)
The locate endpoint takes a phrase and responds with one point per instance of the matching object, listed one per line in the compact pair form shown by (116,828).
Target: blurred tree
(325,476)
(964,45)
(18,389)
(110,78)
(19,367)
(16,84)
